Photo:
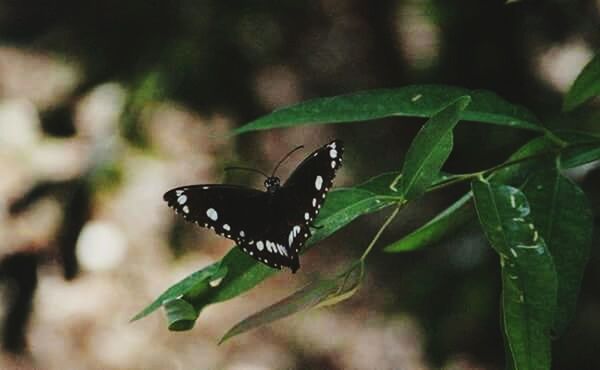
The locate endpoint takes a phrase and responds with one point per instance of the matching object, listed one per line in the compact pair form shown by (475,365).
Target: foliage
(536,219)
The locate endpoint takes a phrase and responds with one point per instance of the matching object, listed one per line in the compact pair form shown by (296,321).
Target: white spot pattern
(260,245)
(182,199)
(186,209)
(318,182)
(226,227)
(293,233)
(333,153)
(212,214)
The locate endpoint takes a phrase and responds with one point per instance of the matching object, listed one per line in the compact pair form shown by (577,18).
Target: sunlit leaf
(529,282)
(416,101)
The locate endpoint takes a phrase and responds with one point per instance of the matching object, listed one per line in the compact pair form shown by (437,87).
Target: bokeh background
(104,105)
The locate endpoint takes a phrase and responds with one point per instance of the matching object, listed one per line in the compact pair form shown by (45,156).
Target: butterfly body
(273,225)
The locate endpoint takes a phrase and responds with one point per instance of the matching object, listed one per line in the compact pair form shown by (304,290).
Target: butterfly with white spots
(273,225)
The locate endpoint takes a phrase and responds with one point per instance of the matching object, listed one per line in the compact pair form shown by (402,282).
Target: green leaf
(415,101)
(461,212)
(562,214)
(318,293)
(197,282)
(583,148)
(237,273)
(529,282)
(430,149)
(540,149)
(437,228)
(586,85)
(181,315)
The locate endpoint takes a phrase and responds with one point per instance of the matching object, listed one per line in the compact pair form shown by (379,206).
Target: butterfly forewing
(232,211)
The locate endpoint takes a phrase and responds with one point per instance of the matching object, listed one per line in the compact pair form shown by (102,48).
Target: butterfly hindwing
(279,247)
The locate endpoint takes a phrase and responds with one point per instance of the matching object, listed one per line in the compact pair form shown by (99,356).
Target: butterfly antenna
(286,157)
(246,169)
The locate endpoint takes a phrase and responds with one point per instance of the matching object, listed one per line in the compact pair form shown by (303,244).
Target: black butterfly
(272,225)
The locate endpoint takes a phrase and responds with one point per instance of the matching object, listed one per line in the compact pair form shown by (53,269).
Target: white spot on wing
(306,216)
(212,214)
(182,199)
(314,202)
(226,227)
(242,233)
(332,164)
(186,209)
(318,182)
(178,192)
(333,153)
(260,245)
(282,250)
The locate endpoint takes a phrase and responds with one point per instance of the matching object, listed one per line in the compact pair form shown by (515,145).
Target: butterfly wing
(271,226)
(231,211)
(304,192)
(241,214)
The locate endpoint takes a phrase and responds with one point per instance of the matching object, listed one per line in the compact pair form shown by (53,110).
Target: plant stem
(381,230)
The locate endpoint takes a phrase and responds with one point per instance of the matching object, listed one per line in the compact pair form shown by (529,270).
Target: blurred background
(106,105)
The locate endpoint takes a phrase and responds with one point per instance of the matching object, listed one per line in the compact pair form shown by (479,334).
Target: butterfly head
(272,183)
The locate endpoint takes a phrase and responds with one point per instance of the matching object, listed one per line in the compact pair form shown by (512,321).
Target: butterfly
(272,225)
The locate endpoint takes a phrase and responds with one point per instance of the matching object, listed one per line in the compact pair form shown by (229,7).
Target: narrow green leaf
(586,85)
(437,228)
(416,101)
(529,282)
(181,315)
(430,149)
(583,148)
(197,281)
(540,149)
(563,216)
(315,294)
(461,212)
